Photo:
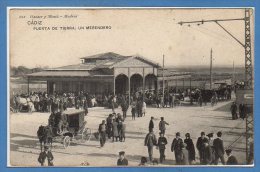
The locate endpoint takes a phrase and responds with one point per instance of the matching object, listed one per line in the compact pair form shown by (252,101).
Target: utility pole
(233,75)
(248,69)
(210,69)
(163,81)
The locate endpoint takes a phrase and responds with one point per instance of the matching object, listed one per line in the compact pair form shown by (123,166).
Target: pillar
(143,84)
(129,88)
(114,84)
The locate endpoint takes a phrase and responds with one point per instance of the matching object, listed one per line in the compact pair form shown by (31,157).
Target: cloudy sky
(146,32)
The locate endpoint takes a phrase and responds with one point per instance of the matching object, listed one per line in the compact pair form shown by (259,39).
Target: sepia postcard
(130,87)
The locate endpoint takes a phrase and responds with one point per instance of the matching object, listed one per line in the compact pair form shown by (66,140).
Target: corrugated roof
(108,55)
(56,73)
(75,67)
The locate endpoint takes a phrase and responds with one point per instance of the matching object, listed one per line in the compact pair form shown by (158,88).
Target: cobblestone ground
(25,148)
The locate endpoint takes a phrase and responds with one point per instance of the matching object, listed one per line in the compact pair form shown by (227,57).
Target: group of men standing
(113,127)
(210,150)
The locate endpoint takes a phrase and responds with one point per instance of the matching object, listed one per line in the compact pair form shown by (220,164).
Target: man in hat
(234,110)
(211,147)
(162,141)
(46,154)
(115,130)
(177,146)
(109,126)
(85,105)
(151,124)
(124,107)
(190,147)
(162,125)
(150,141)
(122,161)
(219,149)
(102,133)
(201,145)
(232,160)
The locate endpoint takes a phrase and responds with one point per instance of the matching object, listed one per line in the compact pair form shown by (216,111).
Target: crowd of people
(114,126)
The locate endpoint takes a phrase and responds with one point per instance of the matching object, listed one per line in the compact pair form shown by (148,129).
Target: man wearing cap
(109,129)
(219,149)
(190,147)
(177,146)
(232,160)
(122,161)
(162,125)
(162,141)
(46,154)
(150,141)
(201,145)
(102,133)
(151,124)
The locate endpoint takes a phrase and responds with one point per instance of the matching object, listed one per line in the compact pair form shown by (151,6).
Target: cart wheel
(66,141)
(86,134)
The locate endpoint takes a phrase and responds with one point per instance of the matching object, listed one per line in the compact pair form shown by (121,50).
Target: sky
(150,33)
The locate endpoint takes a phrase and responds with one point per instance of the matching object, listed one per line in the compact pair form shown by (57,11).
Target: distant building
(107,73)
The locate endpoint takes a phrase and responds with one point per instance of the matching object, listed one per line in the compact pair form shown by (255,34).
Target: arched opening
(136,83)
(150,82)
(121,84)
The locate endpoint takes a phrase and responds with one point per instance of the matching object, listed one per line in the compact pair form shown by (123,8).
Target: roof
(108,55)
(104,60)
(68,73)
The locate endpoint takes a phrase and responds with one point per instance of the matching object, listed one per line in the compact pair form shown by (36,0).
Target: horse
(24,102)
(45,134)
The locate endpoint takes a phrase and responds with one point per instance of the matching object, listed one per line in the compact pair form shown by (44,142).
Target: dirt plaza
(25,147)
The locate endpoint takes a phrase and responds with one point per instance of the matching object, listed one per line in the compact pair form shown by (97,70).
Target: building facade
(107,73)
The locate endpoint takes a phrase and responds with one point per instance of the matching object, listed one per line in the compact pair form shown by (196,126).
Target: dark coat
(200,143)
(162,141)
(207,155)
(218,146)
(123,162)
(190,148)
(115,129)
(177,145)
(232,160)
(151,124)
(150,140)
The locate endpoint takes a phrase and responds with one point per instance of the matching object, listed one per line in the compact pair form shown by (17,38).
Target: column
(143,84)
(114,84)
(129,88)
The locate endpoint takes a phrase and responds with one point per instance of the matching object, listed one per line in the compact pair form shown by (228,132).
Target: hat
(152,117)
(187,135)
(202,133)
(162,118)
(210,135)
(122,153)
(228,151)
(178,134)
(219,134)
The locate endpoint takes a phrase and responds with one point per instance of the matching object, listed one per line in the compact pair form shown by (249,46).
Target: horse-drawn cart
(75,129)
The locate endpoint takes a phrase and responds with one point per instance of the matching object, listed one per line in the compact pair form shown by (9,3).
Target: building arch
(121,84)
(150,82)
(136,83)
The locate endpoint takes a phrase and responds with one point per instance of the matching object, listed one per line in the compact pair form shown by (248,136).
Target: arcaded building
(107,73)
